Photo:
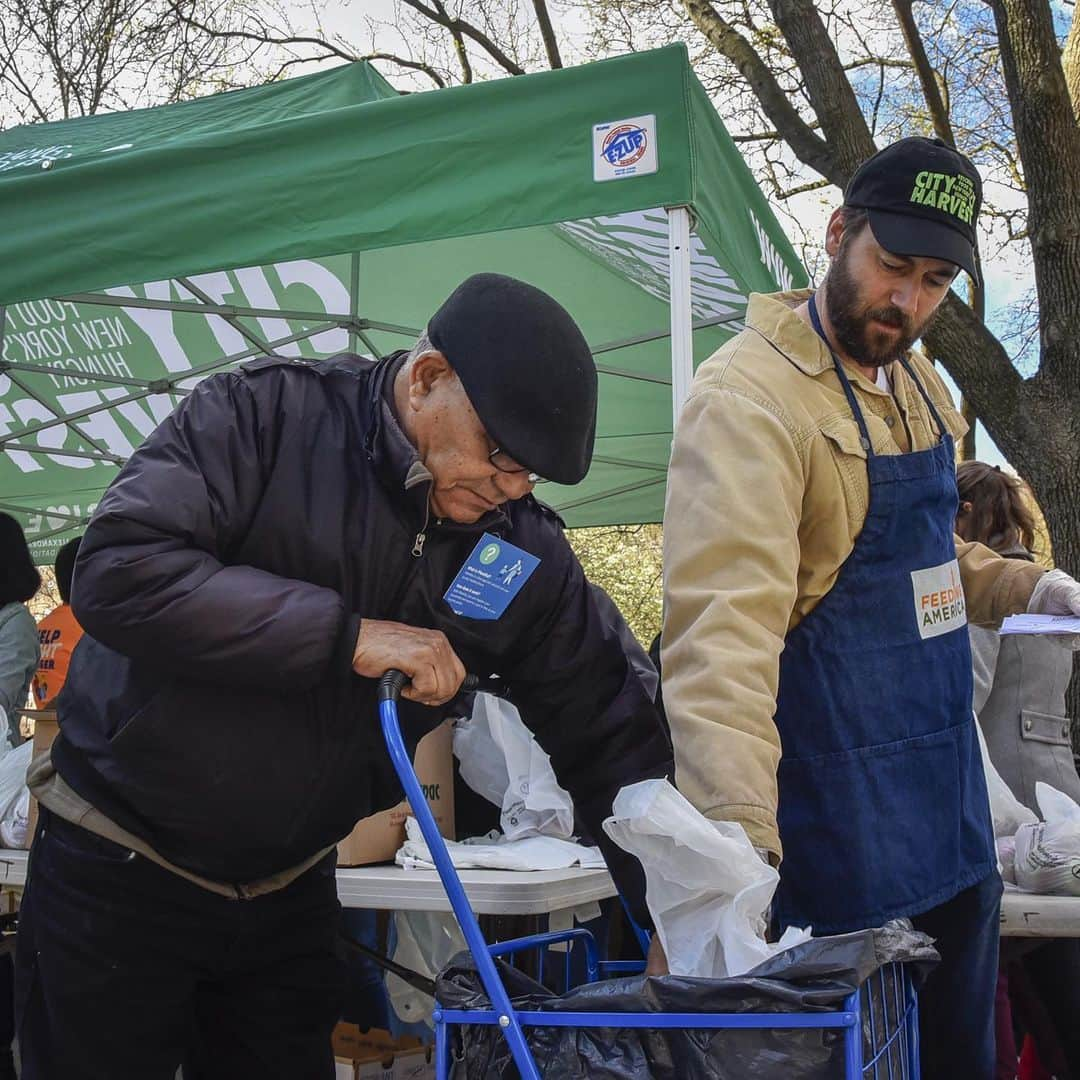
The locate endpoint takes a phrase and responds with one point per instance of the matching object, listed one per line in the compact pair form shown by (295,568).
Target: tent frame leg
(682,355)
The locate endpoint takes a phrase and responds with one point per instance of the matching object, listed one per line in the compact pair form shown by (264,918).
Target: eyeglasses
(505,463)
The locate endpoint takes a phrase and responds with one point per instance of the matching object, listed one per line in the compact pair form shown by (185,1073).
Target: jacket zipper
(421,536)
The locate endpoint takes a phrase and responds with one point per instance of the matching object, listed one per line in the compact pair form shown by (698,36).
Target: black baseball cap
(527,369)
(923,199)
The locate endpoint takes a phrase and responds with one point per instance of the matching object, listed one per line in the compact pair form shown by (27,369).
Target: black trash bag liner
(815,976)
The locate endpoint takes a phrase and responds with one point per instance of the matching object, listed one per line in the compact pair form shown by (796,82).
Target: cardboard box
(377,1055)
(45,730)
(409,1065)
(377,838)
(415,1065)
(374,1044)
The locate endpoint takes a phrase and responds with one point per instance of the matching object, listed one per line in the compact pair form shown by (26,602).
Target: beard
(851,323)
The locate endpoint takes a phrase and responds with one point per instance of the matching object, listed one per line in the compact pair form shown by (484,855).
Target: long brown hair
(999,516)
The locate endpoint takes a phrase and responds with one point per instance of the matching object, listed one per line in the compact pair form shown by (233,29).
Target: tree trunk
(968,450)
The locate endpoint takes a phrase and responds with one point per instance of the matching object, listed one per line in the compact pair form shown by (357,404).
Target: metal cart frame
(889,995)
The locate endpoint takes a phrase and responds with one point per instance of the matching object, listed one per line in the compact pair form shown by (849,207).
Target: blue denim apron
(883,809)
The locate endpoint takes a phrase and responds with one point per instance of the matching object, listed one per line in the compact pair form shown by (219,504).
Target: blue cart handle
(394,681)
(390,687)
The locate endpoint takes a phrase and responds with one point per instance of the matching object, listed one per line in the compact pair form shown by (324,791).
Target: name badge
(939,599)
(489,579)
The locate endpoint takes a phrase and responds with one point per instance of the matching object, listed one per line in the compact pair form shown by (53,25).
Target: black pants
(956,1006)
(126,970)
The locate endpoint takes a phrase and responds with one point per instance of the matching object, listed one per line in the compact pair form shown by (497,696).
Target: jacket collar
(773,316)
(396,462)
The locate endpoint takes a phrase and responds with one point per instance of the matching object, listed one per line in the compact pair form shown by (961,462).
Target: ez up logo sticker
(624,148)
(939,599)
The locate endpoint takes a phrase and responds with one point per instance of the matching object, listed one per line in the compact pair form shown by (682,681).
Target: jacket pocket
(870,833)
(844,436)
(79,843)
(222,777)
(1045,747)
(1044,728)
(129,728)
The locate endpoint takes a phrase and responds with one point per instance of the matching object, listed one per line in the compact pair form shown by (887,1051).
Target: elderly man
(288,534)
(817,673)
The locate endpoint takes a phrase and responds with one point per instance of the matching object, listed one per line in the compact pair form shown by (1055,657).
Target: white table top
(491,892)
(1027,915)
(510,892)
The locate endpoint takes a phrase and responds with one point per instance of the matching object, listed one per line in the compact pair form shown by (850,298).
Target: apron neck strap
(925,396)
(849,393)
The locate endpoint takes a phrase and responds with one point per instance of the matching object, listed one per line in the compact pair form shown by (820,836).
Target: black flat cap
(527,370)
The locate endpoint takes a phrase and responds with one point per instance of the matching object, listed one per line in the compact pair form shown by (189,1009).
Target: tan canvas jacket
(766,495)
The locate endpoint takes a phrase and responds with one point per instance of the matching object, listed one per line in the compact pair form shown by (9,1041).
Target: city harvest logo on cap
(952,192)
(623,148)
(923,200)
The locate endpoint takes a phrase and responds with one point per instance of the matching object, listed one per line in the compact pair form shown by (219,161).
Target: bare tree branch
(551,45)
(460,26)
(729,42)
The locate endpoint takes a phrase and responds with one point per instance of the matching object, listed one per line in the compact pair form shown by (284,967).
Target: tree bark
(831,95)
(1049,143)
(1070,61)
(547,32)
(968,448)
(939,113)
(810,148)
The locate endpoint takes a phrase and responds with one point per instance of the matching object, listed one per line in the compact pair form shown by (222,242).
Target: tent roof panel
(270,219)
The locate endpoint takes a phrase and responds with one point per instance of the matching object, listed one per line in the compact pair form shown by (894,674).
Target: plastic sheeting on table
(815,976)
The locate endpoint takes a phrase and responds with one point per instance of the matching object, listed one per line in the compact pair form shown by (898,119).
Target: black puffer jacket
(211,708)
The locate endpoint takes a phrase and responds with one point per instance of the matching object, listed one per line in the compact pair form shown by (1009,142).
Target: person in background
(58,633)
(19,653)
(1019,698)
(816,664)
(19,580)
(288,534)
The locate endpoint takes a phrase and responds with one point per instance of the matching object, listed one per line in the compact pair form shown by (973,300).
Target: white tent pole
(682,356)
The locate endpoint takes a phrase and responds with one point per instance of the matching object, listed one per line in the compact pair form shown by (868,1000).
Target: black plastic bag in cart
(815,976)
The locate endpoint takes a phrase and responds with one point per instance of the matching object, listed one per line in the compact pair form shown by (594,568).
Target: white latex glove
(1057,594)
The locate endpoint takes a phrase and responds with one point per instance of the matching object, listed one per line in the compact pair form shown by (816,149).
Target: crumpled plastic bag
(706,886)
(1048,852)
(815,976)
(14,795)
(1006,855)
(500,760)
(1006,810)
(495,852)
(426,942)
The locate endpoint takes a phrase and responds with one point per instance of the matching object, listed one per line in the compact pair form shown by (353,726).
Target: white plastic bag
(426,942)
(1048,852)
(502,761)
(706,887)
(14,795)
(1006,856)
(1006,810)
(495,852)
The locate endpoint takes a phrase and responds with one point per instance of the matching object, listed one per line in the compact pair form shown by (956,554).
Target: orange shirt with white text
(58,633)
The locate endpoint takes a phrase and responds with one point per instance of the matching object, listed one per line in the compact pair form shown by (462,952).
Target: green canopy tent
(148,249)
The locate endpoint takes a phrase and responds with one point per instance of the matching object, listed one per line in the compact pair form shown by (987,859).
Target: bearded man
(817,674)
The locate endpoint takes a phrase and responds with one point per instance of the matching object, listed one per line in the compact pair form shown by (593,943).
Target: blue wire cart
(877,1022)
